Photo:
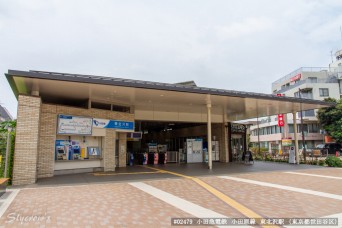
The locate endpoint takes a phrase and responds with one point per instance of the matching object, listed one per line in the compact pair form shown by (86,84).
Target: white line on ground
(184,205)
(293,189)
(8,201)
(315,175)
(177,202)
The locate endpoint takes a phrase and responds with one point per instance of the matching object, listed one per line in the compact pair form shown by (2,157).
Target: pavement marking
(315,175)
(293,189)
(231,202)
(7,202)
(131,173)
(177,202)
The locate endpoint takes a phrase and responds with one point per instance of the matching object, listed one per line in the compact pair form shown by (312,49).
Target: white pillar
(210,163)
(295,136)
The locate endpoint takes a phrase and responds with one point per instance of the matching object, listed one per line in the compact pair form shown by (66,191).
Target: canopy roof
(160,98)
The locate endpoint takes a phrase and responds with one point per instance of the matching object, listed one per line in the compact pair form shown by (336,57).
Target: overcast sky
(230,44)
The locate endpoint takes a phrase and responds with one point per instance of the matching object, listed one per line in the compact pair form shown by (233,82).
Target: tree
(3,144)
(330,119)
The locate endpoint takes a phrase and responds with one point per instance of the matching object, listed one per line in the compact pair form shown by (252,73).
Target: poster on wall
(113,124)
(74,125)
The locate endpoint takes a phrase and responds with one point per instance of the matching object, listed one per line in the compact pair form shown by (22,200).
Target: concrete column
(295,136)
(27,140)
(122,149)
(109,150)
(210,160)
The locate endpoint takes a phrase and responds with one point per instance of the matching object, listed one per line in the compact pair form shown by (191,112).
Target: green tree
(3,144)
(330,119)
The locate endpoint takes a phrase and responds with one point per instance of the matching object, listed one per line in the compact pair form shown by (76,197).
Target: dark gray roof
(5,114)
(103,80)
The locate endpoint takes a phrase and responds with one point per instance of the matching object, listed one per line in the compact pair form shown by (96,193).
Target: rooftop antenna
(332,58)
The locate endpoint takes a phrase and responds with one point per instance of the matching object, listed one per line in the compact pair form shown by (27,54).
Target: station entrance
(173,142)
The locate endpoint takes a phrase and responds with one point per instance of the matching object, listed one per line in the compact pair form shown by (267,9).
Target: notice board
(74,125)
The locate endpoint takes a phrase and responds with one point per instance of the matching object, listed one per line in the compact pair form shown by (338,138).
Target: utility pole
(302,126)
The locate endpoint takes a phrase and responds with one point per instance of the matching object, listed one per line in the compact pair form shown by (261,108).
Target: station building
(69,123)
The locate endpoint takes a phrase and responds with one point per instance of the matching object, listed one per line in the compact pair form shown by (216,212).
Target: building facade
(4,114)
(315,83)
(70,123)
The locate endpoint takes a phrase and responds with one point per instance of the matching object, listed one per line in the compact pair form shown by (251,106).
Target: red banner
(281,120)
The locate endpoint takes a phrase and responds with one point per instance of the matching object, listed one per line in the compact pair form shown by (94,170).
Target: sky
(242,45)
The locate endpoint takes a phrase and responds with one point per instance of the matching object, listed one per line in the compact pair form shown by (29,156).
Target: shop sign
(286,142)
(113,124)
(74,125)
(280,116)
(296,77)
(238,128)
(281,120)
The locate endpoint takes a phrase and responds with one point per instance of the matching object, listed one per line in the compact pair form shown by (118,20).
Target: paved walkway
(140,173)
(153,199)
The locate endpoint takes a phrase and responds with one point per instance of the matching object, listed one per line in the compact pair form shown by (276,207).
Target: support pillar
(27,140)
(109,150)
(210,161)
(224,147)
(295,136)
(122,149)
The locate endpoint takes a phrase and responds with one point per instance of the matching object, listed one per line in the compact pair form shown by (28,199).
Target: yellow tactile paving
(231,202)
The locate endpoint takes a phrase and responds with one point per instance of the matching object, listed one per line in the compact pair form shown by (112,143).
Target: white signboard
(74,125)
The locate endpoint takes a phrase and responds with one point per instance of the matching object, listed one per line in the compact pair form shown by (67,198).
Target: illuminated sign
(113,124)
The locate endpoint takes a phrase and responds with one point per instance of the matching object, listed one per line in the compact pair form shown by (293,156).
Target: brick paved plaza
(151,197)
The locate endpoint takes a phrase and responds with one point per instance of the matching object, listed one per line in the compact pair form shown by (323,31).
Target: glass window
(291,128)
(324,92)
(309,113)
(312,79)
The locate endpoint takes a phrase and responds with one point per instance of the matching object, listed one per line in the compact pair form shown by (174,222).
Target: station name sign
(113,124)
(78,125)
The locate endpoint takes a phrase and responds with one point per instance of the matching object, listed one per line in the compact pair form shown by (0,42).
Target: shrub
(321,162)
(333,161)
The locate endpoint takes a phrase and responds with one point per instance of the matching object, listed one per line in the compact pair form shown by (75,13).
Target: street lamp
(9,129)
